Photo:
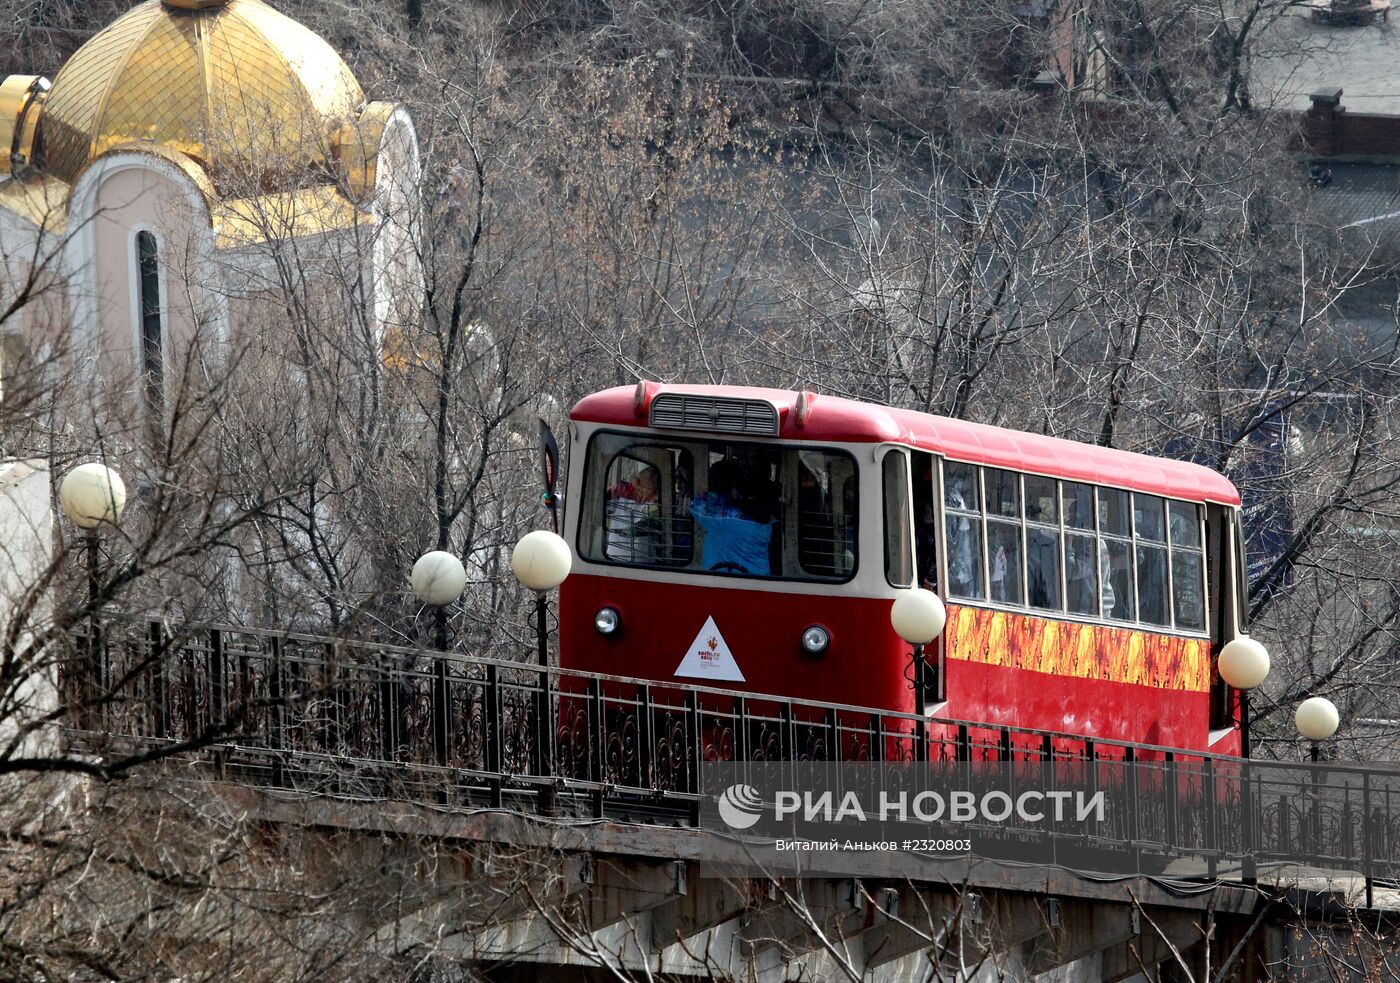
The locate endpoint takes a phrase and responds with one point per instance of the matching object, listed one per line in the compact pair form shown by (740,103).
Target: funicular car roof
(838,420)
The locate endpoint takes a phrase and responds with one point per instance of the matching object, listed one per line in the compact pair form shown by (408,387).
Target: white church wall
(116,198)
(26,549)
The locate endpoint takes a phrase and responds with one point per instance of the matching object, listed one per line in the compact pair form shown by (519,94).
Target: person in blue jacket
(734,541)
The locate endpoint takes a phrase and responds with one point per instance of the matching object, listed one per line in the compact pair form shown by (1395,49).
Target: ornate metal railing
(346,716)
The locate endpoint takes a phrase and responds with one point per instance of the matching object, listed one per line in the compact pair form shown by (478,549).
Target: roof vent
(717,414)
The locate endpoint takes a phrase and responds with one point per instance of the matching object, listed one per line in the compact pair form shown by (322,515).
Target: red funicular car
(753,539)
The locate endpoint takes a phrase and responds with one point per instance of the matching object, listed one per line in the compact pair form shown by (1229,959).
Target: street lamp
(1243,664)
(90,495)
(918,617)
(541,561)
(438,579)
(1316,719)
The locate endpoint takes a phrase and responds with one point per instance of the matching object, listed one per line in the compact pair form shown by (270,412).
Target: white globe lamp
(1244,663)
(918,616)
(1316,718)
(92,494)
(438,578)
(541,560)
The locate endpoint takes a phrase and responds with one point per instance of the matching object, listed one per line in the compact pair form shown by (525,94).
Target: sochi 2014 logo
(740,806)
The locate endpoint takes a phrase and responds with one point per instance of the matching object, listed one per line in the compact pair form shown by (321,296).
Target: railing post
(491,739)
(1048,780)
(333,725)
(787,733)
(1315,830)
(1172,778)
(1210,803)
(277,696)
(1367,874)
(1007,763)
(597,743)
(218,712)
(741,729)
(964,743)
(185,662)
(1130,784)
(442,710)
(833,730)
(546,730)
(545,694)
(218,716)
(1348,844)
(597,740)
(1249,833)
(1091,767)
(1209,798)
(90,688)
(694,738)
(157,678)
(388,709)
(644,736)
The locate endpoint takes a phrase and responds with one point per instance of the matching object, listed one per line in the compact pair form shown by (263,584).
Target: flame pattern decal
(1120,655)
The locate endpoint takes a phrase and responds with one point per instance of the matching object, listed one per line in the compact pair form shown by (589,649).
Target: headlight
(815,640)
(607,621)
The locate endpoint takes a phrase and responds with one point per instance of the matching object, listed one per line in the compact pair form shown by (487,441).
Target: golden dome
(237,86)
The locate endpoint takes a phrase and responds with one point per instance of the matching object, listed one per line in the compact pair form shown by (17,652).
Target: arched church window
(152,339)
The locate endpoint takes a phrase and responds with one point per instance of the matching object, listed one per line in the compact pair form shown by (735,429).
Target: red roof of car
(833,418)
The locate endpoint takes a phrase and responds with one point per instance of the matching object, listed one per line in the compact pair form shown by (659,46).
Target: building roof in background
(1298,56)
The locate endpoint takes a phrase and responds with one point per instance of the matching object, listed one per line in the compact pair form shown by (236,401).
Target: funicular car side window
(1005,565)
(1188,566)
(758,510)
(1042,543)
(898,535)
(962,502)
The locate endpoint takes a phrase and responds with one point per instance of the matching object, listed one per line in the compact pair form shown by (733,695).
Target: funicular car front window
(725,507)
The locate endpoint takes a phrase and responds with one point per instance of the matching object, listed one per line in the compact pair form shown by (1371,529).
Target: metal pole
(1244,723)
(546,709)
(1366,870)
(542,629)
(1315,752)
(90,689)
(920,705)
(441,730)
(1248,838)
